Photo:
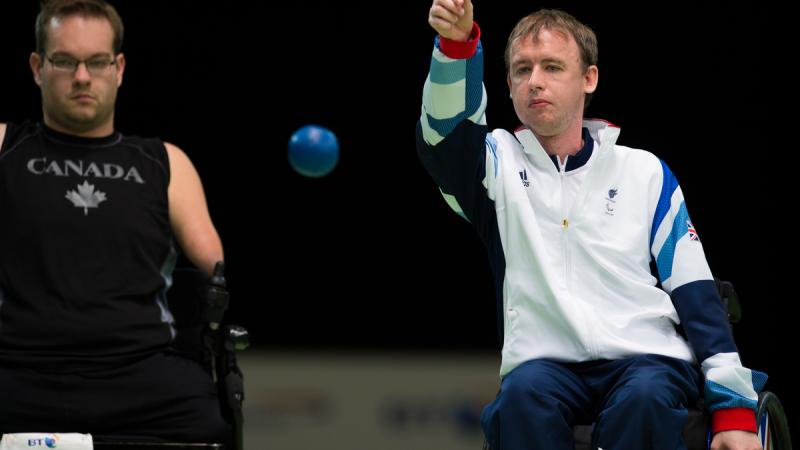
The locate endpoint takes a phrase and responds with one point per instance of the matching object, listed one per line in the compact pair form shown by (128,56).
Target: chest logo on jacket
(524,176)
(610,202)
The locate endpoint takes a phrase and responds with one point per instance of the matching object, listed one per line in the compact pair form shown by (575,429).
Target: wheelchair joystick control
(239,337)
(217,296)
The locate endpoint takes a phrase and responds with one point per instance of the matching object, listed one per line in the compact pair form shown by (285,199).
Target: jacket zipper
(567,266)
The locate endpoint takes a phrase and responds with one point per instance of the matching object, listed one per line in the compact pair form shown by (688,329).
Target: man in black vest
(89,220)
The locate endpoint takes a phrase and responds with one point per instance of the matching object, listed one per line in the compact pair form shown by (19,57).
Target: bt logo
(49,442)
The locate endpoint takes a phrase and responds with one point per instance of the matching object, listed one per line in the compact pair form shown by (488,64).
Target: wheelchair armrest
(196,299)
(216,296)
(730,299)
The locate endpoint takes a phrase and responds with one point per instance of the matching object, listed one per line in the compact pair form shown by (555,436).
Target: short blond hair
(556,20)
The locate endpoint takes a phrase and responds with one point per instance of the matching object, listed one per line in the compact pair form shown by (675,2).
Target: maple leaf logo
(86,197)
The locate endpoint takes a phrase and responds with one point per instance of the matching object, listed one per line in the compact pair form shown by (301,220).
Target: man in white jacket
(571,221)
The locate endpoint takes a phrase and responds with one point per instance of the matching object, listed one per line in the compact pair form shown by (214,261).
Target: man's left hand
(735,440)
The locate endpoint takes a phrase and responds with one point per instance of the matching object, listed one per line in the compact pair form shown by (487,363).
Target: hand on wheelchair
(735,440)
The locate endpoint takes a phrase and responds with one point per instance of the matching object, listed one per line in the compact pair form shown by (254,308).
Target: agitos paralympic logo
(47,441)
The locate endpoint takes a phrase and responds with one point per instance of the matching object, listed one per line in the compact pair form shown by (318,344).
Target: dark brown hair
(97,9)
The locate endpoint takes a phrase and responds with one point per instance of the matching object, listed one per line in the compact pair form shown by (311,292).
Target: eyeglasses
(96,66)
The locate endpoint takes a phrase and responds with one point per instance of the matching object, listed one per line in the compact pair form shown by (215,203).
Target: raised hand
(452,19)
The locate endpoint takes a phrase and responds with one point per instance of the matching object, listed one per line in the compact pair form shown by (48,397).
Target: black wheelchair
(198,305)
(773,428)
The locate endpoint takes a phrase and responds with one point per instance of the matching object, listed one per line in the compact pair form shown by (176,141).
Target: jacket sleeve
(731,390)
(452,140)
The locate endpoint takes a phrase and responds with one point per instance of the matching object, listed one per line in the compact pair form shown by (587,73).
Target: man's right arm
(454,88)
(451,133)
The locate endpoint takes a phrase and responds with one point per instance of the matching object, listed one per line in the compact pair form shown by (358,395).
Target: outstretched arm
(451,133)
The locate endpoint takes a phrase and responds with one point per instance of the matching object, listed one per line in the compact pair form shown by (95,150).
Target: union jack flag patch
(692,232)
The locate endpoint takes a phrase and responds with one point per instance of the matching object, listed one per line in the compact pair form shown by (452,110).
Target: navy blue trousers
(637,403)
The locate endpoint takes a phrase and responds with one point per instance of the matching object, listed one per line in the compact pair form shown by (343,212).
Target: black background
(370,256)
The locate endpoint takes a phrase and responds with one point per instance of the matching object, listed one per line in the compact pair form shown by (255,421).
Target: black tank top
(86,248)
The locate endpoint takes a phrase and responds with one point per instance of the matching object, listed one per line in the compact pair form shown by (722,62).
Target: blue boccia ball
(313,151)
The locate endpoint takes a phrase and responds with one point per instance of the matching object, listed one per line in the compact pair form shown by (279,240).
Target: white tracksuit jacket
(571,247)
